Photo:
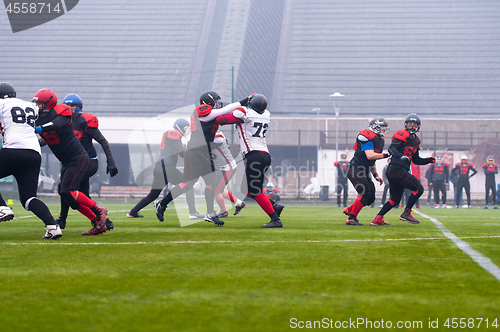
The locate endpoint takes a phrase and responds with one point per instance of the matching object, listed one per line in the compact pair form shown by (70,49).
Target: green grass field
(151,276)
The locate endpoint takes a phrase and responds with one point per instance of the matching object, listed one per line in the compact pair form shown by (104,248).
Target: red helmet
(48,97)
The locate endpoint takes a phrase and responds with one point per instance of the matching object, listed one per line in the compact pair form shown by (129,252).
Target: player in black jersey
(198,155)
(490,170)
(439,174)
(165,170)
(404,149)
(54,127)
(367,149)
(462,170)
(86,128)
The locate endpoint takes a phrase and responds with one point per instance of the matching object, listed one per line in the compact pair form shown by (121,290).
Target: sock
(386,208)
(232,198)
(209,198)
(82,199)
(220,201)
(357,206)
(87,212)
(411,201)
(190,201)
(64,209)
(41,211)
(265,204)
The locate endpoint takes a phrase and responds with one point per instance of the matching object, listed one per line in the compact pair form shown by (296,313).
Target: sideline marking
(476,256)
(51,243)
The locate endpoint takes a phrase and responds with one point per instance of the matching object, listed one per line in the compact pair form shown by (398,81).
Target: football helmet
(182,126)
(413,118)
(439,159)
(490,160)
(7,90)
(74,99)
(270,185)
(210,98)
(258,103)
(376,125)
(343,156)
(45,99)
(463,157)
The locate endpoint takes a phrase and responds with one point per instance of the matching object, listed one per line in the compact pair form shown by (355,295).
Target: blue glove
(38,130)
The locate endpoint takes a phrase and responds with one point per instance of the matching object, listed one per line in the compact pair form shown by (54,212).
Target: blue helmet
(182,126)
(74,99)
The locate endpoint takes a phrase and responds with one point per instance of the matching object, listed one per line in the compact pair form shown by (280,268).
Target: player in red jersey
(86,128)
(54,127)
(367,149)
(439,174)
(404,149)
(198,155)
(462,170)
(165,170)
(490,169)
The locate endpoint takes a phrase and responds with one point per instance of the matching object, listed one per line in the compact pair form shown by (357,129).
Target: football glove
(244,101)
(111,169)
(431,160)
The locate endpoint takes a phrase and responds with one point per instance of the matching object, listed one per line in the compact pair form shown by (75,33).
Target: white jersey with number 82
(253,130)
(17,122)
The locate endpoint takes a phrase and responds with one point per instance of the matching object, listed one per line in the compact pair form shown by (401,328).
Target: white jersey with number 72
(253,130)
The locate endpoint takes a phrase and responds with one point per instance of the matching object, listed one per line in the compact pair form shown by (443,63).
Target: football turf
(150,276)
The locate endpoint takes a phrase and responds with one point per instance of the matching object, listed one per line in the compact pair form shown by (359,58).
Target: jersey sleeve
(240,113)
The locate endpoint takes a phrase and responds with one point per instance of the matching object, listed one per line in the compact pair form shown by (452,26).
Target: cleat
(61,222)
(469,207)
(406,216)
(109,225)
(437,206)
(52,232)
(456,206)
(212,217)
(6,213)
(196,215)
(486,207)
(160,210)
(379,221)
(222,214)
(353,222)
(95,231)
(278,208)
(239,208)
(381,206)
(276,223)
(495,207)
(132,215)
(101,216)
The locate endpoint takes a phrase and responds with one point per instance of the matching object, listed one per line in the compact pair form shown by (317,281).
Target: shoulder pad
(401,135)
(203,110)
(173,134)
(91,120)
(496,165)
(63,109)
(447,164)
(457,164)
(335,163)
(471,164)
(484,165)
(368,133)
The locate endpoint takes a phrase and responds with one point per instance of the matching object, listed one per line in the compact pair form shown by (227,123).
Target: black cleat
(109,224)
(61,222)
(212,217)
(278,208)
(276,223)
(406,216)
(239,208)
(134,215)
(160,210)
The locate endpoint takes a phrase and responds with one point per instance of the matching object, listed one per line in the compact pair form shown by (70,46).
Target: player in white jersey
(252,123)
(226,167)
(20,156)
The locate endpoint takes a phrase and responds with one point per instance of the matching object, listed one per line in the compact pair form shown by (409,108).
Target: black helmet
(258,103)
(377,124)
(7,90)
(415,118)
(182,125)
(210,98)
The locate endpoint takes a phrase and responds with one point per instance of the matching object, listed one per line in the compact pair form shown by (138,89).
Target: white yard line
(477,257)
(231,241)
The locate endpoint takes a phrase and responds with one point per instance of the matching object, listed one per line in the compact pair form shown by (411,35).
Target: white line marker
(231,241)
(477,257)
